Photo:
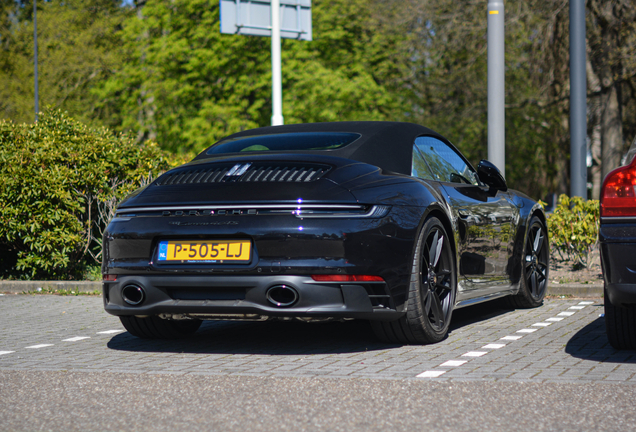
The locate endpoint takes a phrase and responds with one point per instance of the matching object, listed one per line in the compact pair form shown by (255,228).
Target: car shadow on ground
(288,337)
(590,343)
(478,313)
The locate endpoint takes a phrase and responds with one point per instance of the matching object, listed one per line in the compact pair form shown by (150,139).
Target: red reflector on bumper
(109,277)
(346,278)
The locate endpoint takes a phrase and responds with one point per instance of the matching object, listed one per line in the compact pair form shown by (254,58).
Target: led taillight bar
(347,278)
(618,197)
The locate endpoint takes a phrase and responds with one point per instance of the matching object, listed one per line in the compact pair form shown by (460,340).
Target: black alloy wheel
(535,263)
(432,292)
(436,288)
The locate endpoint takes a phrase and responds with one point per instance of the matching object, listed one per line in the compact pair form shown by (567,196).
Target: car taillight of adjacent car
(618,195)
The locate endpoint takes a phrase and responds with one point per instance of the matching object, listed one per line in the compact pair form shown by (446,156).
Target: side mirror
(489,175)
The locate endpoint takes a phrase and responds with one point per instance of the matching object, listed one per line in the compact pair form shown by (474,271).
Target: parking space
(562,341)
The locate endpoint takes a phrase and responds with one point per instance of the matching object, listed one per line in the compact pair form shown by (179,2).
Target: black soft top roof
(388,145)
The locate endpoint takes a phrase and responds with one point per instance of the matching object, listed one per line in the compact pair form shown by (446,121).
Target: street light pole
(578,101)
(277,85)
(496,86)
(35,56)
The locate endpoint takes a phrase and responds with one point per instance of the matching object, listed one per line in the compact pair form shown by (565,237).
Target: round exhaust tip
(282,295)
(133,294)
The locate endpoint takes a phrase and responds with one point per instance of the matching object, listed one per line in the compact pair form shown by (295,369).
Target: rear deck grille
(295,173)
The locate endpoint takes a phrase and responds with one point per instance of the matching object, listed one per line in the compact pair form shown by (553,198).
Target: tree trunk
(611,129)
(606,17)
(594,128)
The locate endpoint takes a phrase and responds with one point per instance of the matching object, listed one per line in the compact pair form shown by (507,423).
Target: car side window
(419,168)
(445,163)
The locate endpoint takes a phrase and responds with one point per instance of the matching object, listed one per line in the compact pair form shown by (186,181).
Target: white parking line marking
(6,352)
(431,374)
(111,331)
(75,339)
(474,354)
(40,346)
(453,363)
(566,314)
(493,346)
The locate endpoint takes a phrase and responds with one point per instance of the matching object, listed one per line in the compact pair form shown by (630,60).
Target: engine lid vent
(246,172)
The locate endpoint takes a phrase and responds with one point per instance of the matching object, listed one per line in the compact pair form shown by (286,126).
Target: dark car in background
(617,237)
(381,221)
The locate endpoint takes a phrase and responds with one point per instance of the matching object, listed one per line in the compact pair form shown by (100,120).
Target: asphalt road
(67,365)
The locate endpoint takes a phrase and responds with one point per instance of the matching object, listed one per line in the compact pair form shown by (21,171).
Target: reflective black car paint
(617,238)
(488,228)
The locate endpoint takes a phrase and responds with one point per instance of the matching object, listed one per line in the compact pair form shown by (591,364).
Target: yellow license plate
(209,251)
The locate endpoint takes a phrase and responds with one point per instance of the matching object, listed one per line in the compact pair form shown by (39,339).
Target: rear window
(285,142)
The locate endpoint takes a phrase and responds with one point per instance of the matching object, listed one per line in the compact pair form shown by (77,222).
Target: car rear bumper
(618,259)
(246,297)
(621,294)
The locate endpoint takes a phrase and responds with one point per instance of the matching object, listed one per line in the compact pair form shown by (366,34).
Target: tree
(611,31)
(76,40)
(448,47)
(186,84)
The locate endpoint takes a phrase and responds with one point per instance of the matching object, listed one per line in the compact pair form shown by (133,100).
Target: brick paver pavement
(67,333)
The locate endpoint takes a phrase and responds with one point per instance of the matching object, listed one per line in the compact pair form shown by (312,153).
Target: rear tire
(154,327)
(620,325)
(535,265)
(432,290)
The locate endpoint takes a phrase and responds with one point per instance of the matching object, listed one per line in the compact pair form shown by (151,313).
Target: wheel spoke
(533,283)
(438,313)
(538,241)
(443,286)
(438,250)
(443,272)
(433,249)
(541,274)
(427,303)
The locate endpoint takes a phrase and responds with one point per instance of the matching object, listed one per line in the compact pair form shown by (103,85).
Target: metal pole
(277,86)
(578,101)
(496,86)
(35,56)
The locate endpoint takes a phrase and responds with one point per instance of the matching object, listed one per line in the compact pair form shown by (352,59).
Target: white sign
(253,17)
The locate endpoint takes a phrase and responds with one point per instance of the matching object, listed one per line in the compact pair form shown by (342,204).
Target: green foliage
(53,176)
(573,228)
(162,70)
(186,85)
(76,40)
(450,86)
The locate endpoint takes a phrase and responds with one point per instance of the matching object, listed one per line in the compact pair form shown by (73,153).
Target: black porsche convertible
(381,221)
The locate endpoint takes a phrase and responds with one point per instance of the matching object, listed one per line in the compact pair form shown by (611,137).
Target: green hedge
(59,183)
(573,227)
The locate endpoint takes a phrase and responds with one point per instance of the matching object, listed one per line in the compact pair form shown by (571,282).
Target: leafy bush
(59,182)
(573,228)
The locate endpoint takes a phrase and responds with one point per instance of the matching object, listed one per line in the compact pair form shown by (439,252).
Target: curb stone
(8,286)
(575,290)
